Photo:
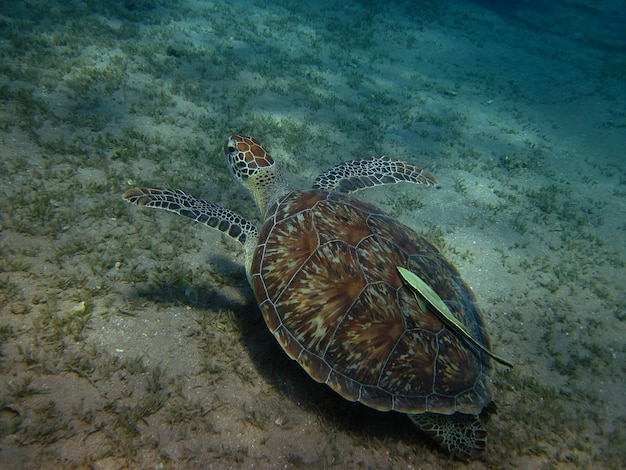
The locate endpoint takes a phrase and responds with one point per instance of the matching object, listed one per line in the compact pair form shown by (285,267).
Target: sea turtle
(325,269)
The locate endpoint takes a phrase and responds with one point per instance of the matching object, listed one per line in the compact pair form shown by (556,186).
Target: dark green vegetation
(130,338)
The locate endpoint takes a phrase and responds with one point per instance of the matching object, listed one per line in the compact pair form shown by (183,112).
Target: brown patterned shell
(324,274)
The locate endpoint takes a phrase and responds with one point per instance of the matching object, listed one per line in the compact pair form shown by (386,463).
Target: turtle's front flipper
(207,213)
(374,171)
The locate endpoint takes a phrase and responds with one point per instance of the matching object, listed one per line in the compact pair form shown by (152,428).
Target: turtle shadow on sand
(173,287)
(284,375)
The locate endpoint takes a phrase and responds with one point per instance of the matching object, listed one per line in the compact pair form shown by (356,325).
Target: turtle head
(255,168)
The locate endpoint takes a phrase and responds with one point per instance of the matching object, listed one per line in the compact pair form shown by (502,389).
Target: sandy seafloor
(130,339)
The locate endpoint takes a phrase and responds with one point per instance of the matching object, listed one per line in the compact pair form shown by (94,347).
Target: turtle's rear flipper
(461,435)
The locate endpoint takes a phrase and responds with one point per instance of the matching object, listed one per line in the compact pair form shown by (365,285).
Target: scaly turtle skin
(323,268)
